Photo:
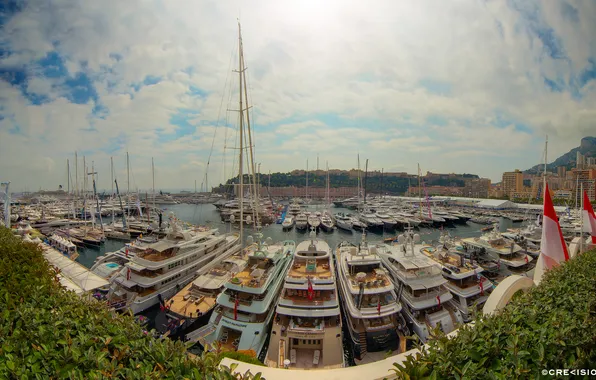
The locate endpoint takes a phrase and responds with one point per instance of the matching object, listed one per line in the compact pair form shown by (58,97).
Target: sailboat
(244,310)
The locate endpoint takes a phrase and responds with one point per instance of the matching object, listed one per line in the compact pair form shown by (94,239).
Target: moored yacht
(327,223)
(306,332)
(242,316)
(371,221)
(503,250)
(160,269)
(314,221)
(196,300)
(469,287)
(301,222)
(421,287)
(288,223)
(389,223)
(369,301)
(294,208)
(343,221)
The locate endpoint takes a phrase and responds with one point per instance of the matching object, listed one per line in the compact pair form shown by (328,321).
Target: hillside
(374,183)
(587,147)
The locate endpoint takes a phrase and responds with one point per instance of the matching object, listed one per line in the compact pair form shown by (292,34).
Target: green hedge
(553,326)
(47,332)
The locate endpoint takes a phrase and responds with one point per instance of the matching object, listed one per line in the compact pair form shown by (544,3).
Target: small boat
(288,223)
(343,222)
(301,222)
(314,221)
(327,223)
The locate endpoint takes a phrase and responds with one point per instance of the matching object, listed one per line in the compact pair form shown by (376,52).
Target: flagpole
(581,230)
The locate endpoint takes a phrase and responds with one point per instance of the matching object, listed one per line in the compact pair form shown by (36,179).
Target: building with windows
(512,182)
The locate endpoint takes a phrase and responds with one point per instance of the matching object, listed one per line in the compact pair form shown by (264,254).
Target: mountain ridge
(587,147)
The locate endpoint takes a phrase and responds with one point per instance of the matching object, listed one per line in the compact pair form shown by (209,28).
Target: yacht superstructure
(469,287)
(197,299)
(421,287)
(368,296)
(160,269)
(245,309)
(307,326)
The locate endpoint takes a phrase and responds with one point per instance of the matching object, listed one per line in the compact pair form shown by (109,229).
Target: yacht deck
(318,268)
(371,281)
(184,303)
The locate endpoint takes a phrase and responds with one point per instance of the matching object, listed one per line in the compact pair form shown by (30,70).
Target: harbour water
(206,214)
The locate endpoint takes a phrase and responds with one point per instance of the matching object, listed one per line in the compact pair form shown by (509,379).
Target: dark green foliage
(47,332)
(553,326)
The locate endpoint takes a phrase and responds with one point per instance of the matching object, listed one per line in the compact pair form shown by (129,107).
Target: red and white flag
(310,292)
(553,248)
(589,218)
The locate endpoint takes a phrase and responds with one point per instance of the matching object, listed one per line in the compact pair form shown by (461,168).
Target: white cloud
(385,69)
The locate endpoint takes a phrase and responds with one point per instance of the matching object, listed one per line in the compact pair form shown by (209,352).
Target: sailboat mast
(153,182)
(256,190)
(112,180)
(358,190)
(67,176)
(240,128)
(545,163)
(419,192)
(127,184)
(306,193)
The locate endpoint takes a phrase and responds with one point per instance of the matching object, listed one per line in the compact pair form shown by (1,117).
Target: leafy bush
(553,326)
(48,332)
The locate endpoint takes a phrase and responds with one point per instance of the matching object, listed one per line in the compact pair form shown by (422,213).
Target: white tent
(496,204)
(74,276)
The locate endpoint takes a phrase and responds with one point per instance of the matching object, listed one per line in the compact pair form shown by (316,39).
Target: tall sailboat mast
(153,179)
(127,184)
(241,135)
(112,180)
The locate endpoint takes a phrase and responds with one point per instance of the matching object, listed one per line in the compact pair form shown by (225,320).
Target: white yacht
(314,221)
(160,269)
(343,221)
(327,223)
(301,221)
(469,287)
(288,223)
(369,301)
(294,208)
(503,250)
(421,287)
(307,327)
(389,223)
(371,221)
(241,319)
(197,299)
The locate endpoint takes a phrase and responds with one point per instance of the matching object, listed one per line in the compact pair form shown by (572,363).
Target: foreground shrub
(553,326)
(47,332)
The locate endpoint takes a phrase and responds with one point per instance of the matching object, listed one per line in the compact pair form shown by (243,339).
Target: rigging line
(219,114)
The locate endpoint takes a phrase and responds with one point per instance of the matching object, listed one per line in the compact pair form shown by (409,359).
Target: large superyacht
(466,282)
(160,269)
(306,332)
(195,302)
(369,301)
(503,250)
(421,287)
(245,309)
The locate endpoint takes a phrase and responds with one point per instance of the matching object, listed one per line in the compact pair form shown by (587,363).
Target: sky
(456,86)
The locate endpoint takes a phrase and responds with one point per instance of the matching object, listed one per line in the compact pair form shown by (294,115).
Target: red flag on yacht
(128,274)
(439,300)
(589,218)
(481,285)
(236,309)
(553,248)
(526,258)
(379,306)
(311,292)
(126,252)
